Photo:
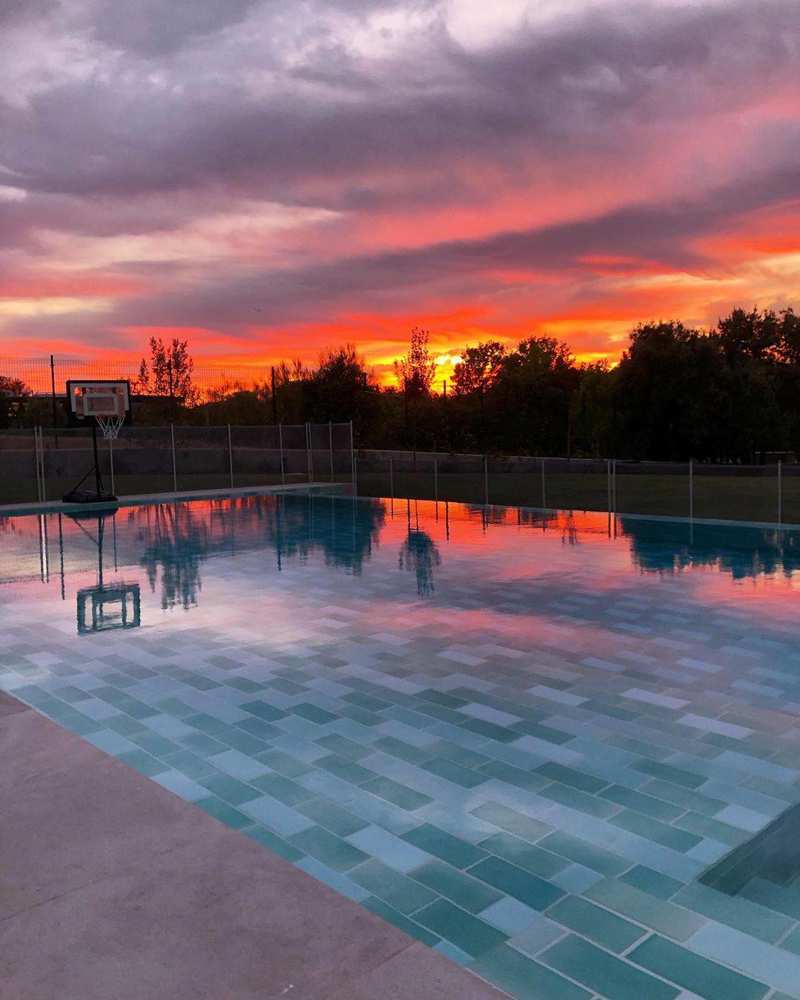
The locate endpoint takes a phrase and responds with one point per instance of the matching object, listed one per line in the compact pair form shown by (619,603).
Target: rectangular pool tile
(284,789)
(652,882)
(154,743)
(652,698)
(667,772)
(125,725)
(706,725)
(705,826)
(657,914)
(180,784)
(484,712)
(335,879)
(238,765)
(331,850)
(642,803)
(281,818)
(575,878)
(599,925)
(403,923)
(332,816)
(230,789)
(743,817)
(525,855)
(388,848)
(581,801)
(522,885)
(272,841)
(652,829)
(572,777)
(224,812)
(143,762)
(111,742)
(259,729)
(763,962)
(343,747)
(403,893)
(464,930)
(584,853)
(402,750)
(524,978)
(511,775)
(691,971)
(490,730)
(509,915)
(748,917)
(190,764)
(203,743)
(701,802)
(397,793)
(263,710)
(464,776)
(283,763)
(345,769)
(454,850)
(539,935)
(509,819)
(469,893)
(603,973)
(759,768)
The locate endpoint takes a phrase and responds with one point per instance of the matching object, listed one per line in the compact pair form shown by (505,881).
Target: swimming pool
(527,739)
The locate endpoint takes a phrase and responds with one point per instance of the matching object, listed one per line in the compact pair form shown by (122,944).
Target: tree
(479,368)
(416,370)
(341,389)
(168,372)
(14,394)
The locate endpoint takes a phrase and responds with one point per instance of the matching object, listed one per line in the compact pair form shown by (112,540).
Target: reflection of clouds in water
(419,555)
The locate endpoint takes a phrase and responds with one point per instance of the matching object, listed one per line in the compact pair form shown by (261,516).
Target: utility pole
(53,395)
(274,397)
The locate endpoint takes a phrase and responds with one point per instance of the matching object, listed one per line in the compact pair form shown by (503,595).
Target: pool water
(531,740)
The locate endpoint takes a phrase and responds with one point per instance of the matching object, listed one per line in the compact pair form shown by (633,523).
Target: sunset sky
(272,177)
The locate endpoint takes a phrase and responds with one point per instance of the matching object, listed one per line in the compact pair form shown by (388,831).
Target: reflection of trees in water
(176,538)
(419,555)
(741,550)
(298,526)
(176,542)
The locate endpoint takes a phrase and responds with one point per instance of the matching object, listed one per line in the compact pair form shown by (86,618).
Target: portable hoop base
(98,495)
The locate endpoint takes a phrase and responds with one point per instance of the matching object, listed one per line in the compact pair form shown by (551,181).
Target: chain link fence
(763,493)
(43,464)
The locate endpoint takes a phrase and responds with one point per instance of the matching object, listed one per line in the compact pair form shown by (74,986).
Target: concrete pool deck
(112,888)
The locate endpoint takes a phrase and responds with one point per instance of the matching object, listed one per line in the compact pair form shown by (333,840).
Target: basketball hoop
(108,401)
(110,426)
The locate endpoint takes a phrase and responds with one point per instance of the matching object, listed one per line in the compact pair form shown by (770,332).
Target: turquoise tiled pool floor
(522,742)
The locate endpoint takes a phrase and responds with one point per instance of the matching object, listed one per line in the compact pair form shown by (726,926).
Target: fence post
(391,478)
(280,447)
(435,479)
(614,484)
(353,460)
(309,456)
(330,444)
(174,459)
(780,492)
(608,484)
(230,456)
(544,491)
(111,464)
(486,480)
(691,489)
(37,464)
(355,475)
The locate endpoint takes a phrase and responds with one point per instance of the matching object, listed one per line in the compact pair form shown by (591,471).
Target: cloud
(433,152)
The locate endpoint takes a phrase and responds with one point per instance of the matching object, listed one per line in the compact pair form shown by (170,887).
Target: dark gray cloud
(157,27)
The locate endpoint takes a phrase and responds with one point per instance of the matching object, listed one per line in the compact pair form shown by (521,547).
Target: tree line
(728,394)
